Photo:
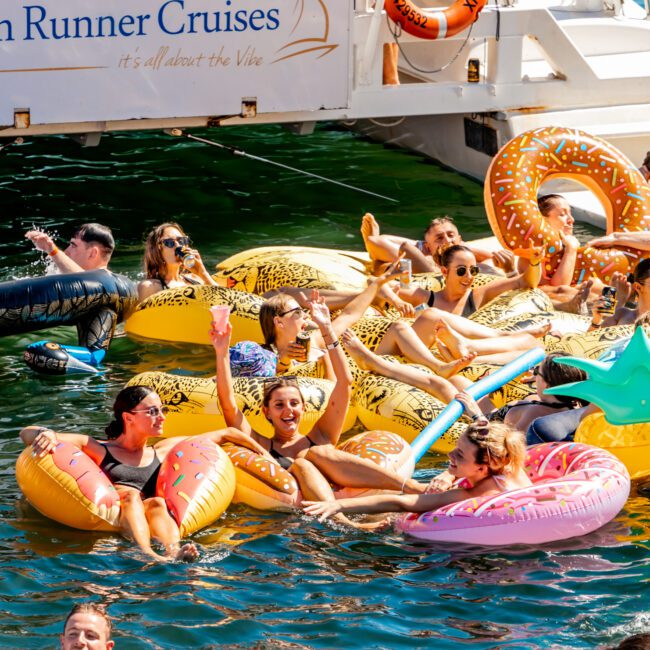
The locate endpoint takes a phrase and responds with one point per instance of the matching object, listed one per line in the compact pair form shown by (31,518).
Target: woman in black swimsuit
(313,459)
(522,413)
(133,466)
(164,267)
(445,321)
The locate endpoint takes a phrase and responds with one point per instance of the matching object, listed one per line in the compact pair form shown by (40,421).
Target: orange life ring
(433,24)
(521,166)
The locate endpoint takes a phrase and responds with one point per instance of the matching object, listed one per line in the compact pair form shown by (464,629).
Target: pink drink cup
(220,315)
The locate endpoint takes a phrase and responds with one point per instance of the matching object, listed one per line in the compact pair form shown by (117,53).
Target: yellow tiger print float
(264,485)
(390,405)
(590,344)
(258,270)
(182,315)
(194,407)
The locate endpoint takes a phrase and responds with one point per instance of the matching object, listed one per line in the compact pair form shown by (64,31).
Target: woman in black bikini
(446,319)
(522,413)
(313,459)
(133,466)
(163,266)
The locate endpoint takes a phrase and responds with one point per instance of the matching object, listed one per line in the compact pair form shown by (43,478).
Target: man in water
(90,248)
(87,626)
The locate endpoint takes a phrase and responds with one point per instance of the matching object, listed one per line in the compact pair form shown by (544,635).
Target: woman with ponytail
(133,466)
(489,456)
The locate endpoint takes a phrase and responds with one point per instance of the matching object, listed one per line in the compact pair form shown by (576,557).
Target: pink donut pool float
(576,489)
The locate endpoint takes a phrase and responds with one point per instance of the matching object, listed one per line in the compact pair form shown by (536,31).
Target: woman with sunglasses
(446,322)
(522,413)
(488,456)
(313,458)
(165,248)
(133,466)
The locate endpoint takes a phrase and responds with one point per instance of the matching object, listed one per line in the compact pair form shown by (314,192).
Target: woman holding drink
(170,262)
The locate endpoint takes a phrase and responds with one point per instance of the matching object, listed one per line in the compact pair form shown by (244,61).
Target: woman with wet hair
(521,413)
(133,466)
(489,456)
(166,264)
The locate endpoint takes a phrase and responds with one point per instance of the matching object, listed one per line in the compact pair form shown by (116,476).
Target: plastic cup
(220,315)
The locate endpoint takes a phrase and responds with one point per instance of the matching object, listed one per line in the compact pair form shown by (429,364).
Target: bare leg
(165,530)
(439,387)
(133,521)
(425,326)
(334,298)
(348,470)
(402,339)
(314,487)
(390,75)
(578,303)
(379,247)
(460,346)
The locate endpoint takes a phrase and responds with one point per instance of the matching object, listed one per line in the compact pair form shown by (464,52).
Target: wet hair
(91,608)
(95,233)
(155,267)
(268,311)
(641,271)
(273,383)
(635,642)
(448,253)
(557,374)
(499,446)
(127,399)
(646,161)
(440,221)
(547,202)
(643,321)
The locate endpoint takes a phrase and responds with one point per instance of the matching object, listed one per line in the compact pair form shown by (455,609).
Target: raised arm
(528,279)
(225,391)
(45,243)
(44,440)
(199,269)
(329,426)
(357,307)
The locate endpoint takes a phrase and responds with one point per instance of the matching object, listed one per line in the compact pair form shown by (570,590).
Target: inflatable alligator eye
(521,166)
(52,346)
(433,24)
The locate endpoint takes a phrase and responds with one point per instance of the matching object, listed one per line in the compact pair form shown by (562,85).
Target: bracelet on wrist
(331,346)
(54,251)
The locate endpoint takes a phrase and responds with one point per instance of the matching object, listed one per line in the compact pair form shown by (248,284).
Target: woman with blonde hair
(169,261)
(488,456)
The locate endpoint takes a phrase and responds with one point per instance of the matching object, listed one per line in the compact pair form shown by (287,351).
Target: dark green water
(267,580)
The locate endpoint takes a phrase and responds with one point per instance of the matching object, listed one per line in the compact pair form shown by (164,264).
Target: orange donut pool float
(433,24)
(521,166)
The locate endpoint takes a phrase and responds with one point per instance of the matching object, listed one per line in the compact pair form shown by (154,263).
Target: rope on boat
(238,152)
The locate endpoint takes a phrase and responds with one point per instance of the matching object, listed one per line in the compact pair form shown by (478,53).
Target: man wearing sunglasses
(90,248)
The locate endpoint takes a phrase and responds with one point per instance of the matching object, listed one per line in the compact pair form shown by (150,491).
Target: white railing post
(370,46)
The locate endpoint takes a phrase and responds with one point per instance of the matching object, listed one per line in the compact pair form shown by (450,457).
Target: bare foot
(455,343)
(538,331)
(454,366)
(383,523)
(186,553)
(369,226)
(578,304)
(357,350)
(443,351)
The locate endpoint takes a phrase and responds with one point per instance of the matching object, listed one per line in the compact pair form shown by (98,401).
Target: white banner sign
(94,60)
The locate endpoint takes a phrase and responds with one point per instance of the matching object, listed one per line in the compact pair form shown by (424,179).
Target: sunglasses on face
(295,312)
(471,270)
(537,372)
(153,411)
(171,242)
